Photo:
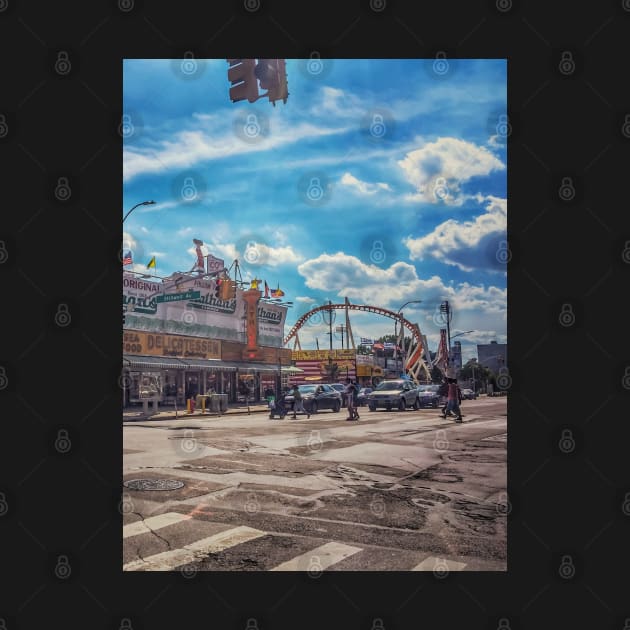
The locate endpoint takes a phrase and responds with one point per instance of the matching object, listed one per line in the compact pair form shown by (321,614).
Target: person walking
(443,392)
(453,400)
(298,403)
(348,392)
(355,400)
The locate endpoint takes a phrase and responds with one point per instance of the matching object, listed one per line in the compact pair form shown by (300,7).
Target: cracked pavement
(394,488)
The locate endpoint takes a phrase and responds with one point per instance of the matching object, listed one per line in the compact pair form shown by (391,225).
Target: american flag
(127,258)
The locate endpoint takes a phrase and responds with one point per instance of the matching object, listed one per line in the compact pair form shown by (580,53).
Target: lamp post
(142,203)
(401,327)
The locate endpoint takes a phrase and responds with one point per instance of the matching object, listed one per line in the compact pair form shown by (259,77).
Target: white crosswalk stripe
(320,558)
(153,523)
(169,560)
(439,565)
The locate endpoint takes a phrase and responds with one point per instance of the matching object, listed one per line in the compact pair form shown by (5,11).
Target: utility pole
(330,324)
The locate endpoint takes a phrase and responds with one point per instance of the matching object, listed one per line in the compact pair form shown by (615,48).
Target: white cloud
(363,188)
(347,276)
(190,147)
(258,253)
(305,299)
(439,168)
(468,245)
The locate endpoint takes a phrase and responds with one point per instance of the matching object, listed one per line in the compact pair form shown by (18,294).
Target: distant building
(492,355)
(456,356)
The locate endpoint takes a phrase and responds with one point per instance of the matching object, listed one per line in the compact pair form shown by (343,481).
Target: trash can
(223,401)
(202,403)
(214,403)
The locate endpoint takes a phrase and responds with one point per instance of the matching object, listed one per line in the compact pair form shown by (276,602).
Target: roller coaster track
(414,362)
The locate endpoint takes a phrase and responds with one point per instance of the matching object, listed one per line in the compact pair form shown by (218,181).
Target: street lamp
(396,328)
(462,333)
(143,203)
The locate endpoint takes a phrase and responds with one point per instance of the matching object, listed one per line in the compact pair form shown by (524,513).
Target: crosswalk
(302,557)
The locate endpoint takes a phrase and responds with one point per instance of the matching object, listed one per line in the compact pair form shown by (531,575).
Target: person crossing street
(298,403)
(454,398)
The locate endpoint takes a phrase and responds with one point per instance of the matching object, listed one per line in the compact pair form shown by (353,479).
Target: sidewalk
(169,413)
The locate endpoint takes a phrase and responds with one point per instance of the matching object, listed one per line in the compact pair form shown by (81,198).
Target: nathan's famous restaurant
(182,337)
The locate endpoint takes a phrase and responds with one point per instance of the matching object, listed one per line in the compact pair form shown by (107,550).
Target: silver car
(394,394)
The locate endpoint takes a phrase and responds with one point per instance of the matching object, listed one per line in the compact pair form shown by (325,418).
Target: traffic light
(273,78)
(228,290)
(244,83)
(217,288)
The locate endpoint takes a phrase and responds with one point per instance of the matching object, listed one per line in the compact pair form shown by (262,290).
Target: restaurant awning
(168,363)
(164,363)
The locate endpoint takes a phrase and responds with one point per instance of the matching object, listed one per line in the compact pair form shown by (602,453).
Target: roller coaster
(416,353)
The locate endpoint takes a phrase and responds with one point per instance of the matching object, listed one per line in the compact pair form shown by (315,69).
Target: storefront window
(212,383)
(145,386)
(169,386)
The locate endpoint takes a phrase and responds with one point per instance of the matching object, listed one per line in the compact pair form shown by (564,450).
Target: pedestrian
(355,400)
(453,400)
(348,392)
(298,404)
(443,393)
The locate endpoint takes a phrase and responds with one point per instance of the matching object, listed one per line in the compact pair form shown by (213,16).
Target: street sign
(175,297)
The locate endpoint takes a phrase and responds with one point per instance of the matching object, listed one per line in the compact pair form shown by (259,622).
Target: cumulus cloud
(439,169)
(468,245)
(347,276)
(361,187)
(264,255)
(305,299)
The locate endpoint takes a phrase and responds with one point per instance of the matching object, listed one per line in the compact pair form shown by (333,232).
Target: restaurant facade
(180,339)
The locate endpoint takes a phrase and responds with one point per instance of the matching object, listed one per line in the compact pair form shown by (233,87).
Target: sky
(384,181)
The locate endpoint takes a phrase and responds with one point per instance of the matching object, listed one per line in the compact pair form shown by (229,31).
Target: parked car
(395,393)
(316,398)
(468,394)
(363,396)
(340,387)
(428,396)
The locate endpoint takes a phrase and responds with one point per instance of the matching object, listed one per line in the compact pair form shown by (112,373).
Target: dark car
(317,397)
(340,387)
(362,398)
(428,395)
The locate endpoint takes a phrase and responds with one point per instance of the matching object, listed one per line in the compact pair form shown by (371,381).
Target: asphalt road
(394,491)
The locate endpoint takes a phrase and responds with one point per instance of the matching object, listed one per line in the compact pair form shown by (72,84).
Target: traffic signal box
(244,82)
(244,75)
(228,289)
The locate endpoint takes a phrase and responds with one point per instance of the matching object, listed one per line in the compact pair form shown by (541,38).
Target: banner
(314,355)
(135,342)
(205,316)
(214,264)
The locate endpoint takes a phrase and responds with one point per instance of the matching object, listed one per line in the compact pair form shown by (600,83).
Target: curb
(189,416)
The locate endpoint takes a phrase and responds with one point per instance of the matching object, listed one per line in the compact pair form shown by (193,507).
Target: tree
(481,374)
(436,374)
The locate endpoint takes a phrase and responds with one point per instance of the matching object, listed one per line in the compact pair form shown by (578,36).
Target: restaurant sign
(136,342)
(321,355)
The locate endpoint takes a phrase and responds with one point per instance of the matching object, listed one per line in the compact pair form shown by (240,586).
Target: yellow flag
(151,264)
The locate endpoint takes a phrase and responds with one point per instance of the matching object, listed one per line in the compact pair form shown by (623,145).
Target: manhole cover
(153,484)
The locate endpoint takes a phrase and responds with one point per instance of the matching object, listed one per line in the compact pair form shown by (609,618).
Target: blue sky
(380,180)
